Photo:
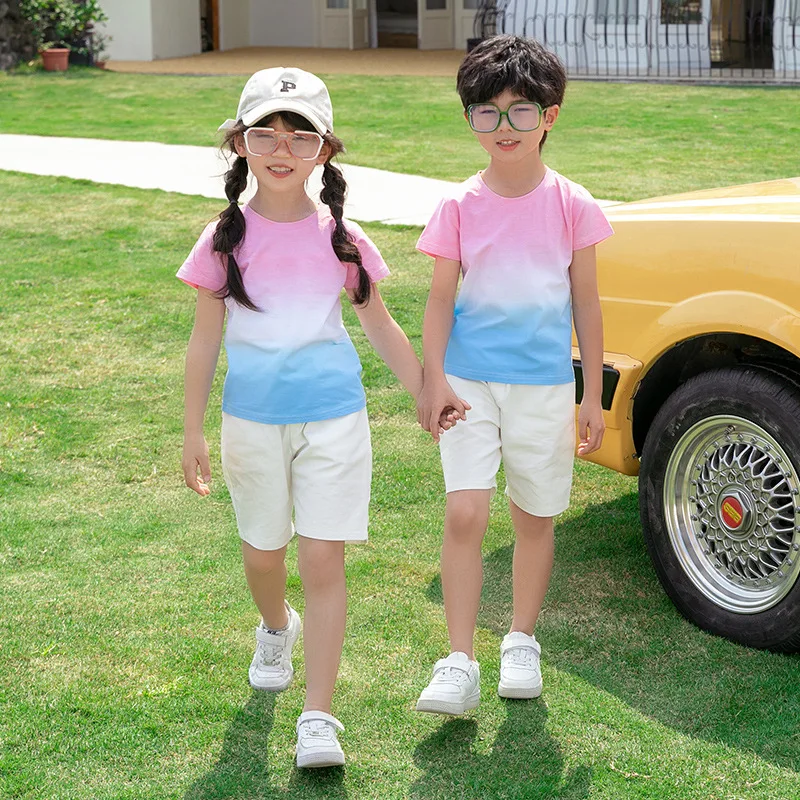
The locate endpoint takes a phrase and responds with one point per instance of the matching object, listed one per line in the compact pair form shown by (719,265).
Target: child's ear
(238,145)
(324,154)
(550,116)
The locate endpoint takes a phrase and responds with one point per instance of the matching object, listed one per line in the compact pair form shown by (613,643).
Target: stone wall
(16,42)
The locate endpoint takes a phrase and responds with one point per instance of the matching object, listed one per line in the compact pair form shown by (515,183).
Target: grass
(622,141)
(127,625)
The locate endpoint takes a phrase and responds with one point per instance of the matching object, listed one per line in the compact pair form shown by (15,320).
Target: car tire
(719,498)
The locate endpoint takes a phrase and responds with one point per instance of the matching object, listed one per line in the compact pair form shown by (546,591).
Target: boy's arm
(437,394)
(201,363)
(389,341)
(588,320)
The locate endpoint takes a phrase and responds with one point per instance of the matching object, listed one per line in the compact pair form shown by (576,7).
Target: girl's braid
(334,189)
(231,226)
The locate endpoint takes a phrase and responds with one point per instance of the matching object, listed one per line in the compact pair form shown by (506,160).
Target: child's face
(281,171)
(508,145)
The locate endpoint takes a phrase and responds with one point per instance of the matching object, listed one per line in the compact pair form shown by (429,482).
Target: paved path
(374,195)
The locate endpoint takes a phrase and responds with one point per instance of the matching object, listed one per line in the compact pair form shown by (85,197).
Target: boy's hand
(195,457)
(439,404)
(591,427)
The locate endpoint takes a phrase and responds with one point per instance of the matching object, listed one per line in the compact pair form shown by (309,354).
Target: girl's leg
(533,563)
(465,521)
(266,576)
(322,572)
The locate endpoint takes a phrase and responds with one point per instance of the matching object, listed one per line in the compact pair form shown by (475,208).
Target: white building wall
(234,24)
(273,25)
(130,24)
(176,28)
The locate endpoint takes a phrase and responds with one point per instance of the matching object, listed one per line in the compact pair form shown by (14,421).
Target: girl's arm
(201,363)
(437,394)
(389,341)
(588,320)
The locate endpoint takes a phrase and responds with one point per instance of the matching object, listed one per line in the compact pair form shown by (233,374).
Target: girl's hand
(438,404)
(591,427)
(195,457)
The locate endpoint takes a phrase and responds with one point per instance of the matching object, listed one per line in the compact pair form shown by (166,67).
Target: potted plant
(52,23)
(60,27)
(82,47)
(100,42)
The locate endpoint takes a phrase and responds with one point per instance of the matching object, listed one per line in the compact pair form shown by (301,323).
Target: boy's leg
(266,576)
(322,572)
(466,518)
(532,565)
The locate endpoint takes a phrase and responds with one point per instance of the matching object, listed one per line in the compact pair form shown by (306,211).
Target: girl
(294,427)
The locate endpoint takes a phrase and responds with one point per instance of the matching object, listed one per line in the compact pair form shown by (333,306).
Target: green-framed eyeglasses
(522,116)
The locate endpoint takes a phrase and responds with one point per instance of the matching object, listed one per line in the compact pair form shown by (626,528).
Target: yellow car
(701,391)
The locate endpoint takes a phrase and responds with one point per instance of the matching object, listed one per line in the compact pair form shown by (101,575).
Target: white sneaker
(520,674)
(454,688)
(317,740)
(271,668)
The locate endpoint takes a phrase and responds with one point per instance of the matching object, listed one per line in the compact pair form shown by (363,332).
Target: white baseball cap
(284,89)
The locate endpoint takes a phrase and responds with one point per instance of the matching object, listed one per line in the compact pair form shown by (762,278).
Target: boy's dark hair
(522,66)
(231,226)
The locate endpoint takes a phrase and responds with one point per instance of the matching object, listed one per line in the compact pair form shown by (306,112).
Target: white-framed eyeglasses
(305,145)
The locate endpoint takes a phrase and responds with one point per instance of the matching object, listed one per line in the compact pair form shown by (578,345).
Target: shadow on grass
(243,771)
(525,761)
(607,620)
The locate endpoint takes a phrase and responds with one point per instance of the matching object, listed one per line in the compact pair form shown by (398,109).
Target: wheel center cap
(735,511)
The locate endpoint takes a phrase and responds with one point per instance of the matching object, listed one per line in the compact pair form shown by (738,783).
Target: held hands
(591,427)
(439,408)
(195,458)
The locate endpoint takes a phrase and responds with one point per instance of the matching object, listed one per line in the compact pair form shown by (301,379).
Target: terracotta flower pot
(56,59)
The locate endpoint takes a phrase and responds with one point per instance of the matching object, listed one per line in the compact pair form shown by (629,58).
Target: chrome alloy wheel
(733,513)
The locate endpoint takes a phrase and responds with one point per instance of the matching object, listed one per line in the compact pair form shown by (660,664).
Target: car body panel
(715,261)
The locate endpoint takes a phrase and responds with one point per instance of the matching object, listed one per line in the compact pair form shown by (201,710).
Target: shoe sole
(431,706)
(519,692)
(317,760)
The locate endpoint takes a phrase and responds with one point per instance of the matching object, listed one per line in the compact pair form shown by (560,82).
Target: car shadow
(243,770)
(607,620)
(524,762)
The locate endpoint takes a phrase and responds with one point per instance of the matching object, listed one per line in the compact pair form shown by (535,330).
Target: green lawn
(622,141)
(126,621)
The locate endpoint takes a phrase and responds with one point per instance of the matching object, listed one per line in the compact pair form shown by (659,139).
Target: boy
(522,239)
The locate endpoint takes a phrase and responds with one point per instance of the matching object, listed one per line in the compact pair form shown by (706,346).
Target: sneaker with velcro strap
(454,688)
(271,668)
(520,671)
(318,740)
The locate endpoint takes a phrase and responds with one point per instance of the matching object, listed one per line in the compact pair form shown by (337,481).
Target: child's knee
(467,514)
(262,561)
(321,562)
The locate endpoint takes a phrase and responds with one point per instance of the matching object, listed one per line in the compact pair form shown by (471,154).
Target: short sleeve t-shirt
(513,314)
(292,360)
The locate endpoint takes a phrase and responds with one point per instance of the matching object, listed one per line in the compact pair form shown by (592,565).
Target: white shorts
(531,427)
(323,469)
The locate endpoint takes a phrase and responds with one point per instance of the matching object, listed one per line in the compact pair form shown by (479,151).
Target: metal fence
(728,40)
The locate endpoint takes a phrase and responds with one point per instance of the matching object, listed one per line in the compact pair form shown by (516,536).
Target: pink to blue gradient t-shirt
(291,361)
(513,314)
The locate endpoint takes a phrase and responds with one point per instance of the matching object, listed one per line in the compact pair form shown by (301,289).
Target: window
(435,5)
(681,12)
(338,3)
(617,12)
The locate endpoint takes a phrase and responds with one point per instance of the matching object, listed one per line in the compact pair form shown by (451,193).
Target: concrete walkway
(374,195)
